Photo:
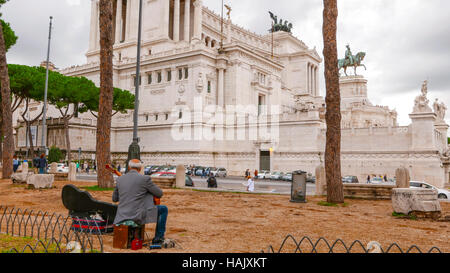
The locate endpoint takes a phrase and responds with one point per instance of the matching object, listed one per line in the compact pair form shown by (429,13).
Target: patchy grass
(327,204)
(404,216)
(8,243)
(96,188)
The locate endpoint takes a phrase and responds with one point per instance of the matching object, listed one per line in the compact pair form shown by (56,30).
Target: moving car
(212,170)
(442,194)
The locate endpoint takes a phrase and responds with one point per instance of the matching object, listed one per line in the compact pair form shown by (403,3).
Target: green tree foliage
(9,35)
(54,155)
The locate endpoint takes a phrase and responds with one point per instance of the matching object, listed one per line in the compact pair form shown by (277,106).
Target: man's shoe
(157,241)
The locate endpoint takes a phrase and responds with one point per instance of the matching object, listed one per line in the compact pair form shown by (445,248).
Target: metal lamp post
(43,139)
(134,149)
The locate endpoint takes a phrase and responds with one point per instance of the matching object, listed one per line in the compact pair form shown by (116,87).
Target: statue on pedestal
(439,109)
(279,25)
(421,101)
(351,60)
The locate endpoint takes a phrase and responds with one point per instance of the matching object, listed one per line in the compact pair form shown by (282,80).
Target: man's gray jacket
(135,192)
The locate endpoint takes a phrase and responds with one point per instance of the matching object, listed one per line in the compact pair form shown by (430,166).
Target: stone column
(128,20)
(220,99)
(221,65)
(321,181)
(317,81)
(166,19)
(187,20)
(119,22)
(181,176)
(94,25)
(198,20)
(307,77)
(176,21)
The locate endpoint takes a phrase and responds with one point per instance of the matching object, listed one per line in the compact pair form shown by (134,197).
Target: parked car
(276,176)
(199,171)
(442,194)
(311,179)
(159,174)
(264,175)
(350,179)
(62,168)
(147,170)
(221,172)
(212,170)
(287,177)
(189,182)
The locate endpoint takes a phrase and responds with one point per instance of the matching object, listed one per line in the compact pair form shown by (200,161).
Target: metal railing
(322,245)
(48,228)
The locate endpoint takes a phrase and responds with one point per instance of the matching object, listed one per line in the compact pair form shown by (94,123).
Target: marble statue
(421,101)
(439,109)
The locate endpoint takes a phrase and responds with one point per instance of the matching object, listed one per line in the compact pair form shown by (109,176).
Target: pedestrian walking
(15,163)
(368,179)
(43,164)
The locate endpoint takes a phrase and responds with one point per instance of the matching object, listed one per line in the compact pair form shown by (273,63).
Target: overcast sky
(406,42)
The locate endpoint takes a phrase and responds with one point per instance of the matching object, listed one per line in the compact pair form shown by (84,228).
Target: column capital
(198,3)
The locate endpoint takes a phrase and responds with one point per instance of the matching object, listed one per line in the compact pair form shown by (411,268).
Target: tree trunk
(103,151)
(335,193)
(8,142)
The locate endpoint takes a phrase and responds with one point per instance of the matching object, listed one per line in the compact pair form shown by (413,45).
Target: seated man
(135,193)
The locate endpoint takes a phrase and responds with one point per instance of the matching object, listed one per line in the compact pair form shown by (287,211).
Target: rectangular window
(209,86)
(186,73)
(169,75)
(150,78)
(156,118)
(180,74)
(159,77)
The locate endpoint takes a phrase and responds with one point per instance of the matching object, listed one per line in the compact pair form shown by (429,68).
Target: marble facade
(182,70)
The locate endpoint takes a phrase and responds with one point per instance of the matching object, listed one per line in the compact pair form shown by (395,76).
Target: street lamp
(43,140)
(134,149)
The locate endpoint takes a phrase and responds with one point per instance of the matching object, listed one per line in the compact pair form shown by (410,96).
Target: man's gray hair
(135,165)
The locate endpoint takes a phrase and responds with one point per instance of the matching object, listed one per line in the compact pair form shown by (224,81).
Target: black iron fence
(52,231)
(322,245)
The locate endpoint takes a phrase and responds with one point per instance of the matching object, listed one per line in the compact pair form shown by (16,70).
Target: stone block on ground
(181,176)
(422,203)
(41,181)
(72,172)
(54,167)
(20,177)
(402,178)
(321,181)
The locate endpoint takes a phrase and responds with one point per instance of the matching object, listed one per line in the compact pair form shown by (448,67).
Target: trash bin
(298,187)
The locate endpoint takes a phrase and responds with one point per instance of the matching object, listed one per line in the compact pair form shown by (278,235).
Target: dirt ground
(214,222)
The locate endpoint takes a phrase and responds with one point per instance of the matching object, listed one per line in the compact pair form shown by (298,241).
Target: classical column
(176,21)
(128,20)
(119,22)
(220,97)
(198,20)
(314,81)
(317,82)
(187,20)
(166,19)
(307,77)
(94,24)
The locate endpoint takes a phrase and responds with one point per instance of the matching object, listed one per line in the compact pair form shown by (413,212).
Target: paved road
(234,184)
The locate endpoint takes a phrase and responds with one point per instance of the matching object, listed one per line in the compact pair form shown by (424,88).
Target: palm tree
(103,149)
(335,192)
